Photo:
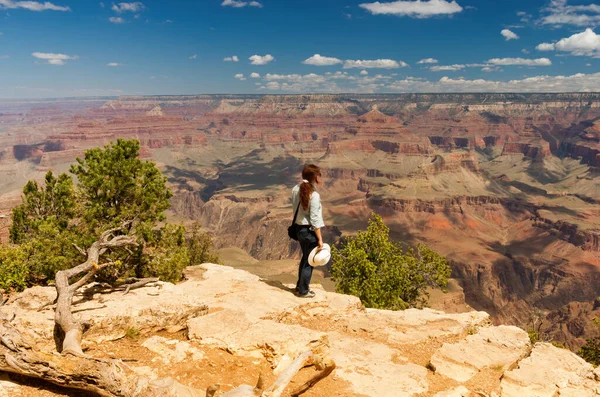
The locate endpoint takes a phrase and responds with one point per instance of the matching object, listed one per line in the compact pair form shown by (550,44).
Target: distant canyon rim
(505,185)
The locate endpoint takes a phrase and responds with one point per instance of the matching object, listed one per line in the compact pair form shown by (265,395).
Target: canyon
(506,186)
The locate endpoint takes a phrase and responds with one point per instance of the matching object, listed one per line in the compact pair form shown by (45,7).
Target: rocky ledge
(378,353)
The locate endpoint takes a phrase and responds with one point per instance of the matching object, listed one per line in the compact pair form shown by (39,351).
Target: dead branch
(69,331)
(276,390)
(135,285)
(327,369)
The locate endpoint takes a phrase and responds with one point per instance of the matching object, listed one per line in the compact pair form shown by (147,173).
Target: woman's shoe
(309,294)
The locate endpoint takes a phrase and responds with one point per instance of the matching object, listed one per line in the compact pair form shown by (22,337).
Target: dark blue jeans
(308,241)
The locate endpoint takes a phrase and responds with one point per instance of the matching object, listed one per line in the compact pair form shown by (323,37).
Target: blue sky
(88,48)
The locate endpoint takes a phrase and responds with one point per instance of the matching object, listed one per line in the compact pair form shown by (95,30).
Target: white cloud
(193,56)
(415,9)
(588,64)
(114,64)
(364,72)
(255,76)
(491,69)
(560,13)
(116,20)
(318,60)
(586,43)
(509,35)
(240,76)
(427,60)
(525,51)
(32,5)
(374,64)
(261,60)
(575,83)
(343,82)
(232,59)
(239,4)
(131,7)
(545,47)
(447,68)
(54,59)
(520,61)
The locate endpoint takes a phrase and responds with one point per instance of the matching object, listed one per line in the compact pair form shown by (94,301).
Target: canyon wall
(505,185)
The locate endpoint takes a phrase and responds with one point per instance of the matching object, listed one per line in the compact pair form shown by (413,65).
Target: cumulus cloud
(261,60)
(414,9)
(255,76)
(374,64)
(54,59)
(427,60)
(364,72)
(131,7)
(240,76)
(114,64)
(575,83)
(447,68)
(240,4)
(509,35)
(586,43)
(343,82)
(318,60)
(559,12)
(117,20)
(194,56)
(32,5)
(525,51)
(232,59)
(520,62)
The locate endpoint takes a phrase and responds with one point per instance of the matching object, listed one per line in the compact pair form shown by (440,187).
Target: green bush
(167,258)
(13,268)
(200,247)
(113,186)
(590,352)
(383,275)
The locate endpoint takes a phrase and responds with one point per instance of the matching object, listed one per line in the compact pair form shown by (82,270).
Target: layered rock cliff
(505,185)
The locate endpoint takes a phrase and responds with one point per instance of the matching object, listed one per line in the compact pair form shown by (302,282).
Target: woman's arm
(316,217)
(320,238)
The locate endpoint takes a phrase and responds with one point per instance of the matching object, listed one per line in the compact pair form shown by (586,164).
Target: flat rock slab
(413,326)
(372,368)
(551,371)
(172,350)
(459,391)
(239,334)
(499,346)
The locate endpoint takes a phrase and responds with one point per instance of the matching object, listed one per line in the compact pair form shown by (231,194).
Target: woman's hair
(310,172)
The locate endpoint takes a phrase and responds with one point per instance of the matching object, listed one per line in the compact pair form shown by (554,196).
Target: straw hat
(319,258)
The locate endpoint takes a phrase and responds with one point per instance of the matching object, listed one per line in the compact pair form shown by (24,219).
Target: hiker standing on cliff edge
(307,201)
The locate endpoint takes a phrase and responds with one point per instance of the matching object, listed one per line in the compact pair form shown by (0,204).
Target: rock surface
(377,352)
(499,347)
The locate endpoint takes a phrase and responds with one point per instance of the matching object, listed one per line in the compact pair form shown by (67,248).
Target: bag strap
(296,214)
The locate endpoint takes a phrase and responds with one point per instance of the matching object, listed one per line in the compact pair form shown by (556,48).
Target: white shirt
(314,215)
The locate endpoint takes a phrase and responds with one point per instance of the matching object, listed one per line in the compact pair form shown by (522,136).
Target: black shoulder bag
(293,229)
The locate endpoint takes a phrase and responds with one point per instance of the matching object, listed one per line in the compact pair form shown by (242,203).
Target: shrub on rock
(384,275)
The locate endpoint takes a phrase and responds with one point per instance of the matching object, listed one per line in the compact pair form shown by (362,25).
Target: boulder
(499,347)
(551,371)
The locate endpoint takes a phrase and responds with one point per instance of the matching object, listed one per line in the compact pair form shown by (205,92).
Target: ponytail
(309,176)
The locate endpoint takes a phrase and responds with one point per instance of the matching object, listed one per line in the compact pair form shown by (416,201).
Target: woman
(310,219)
